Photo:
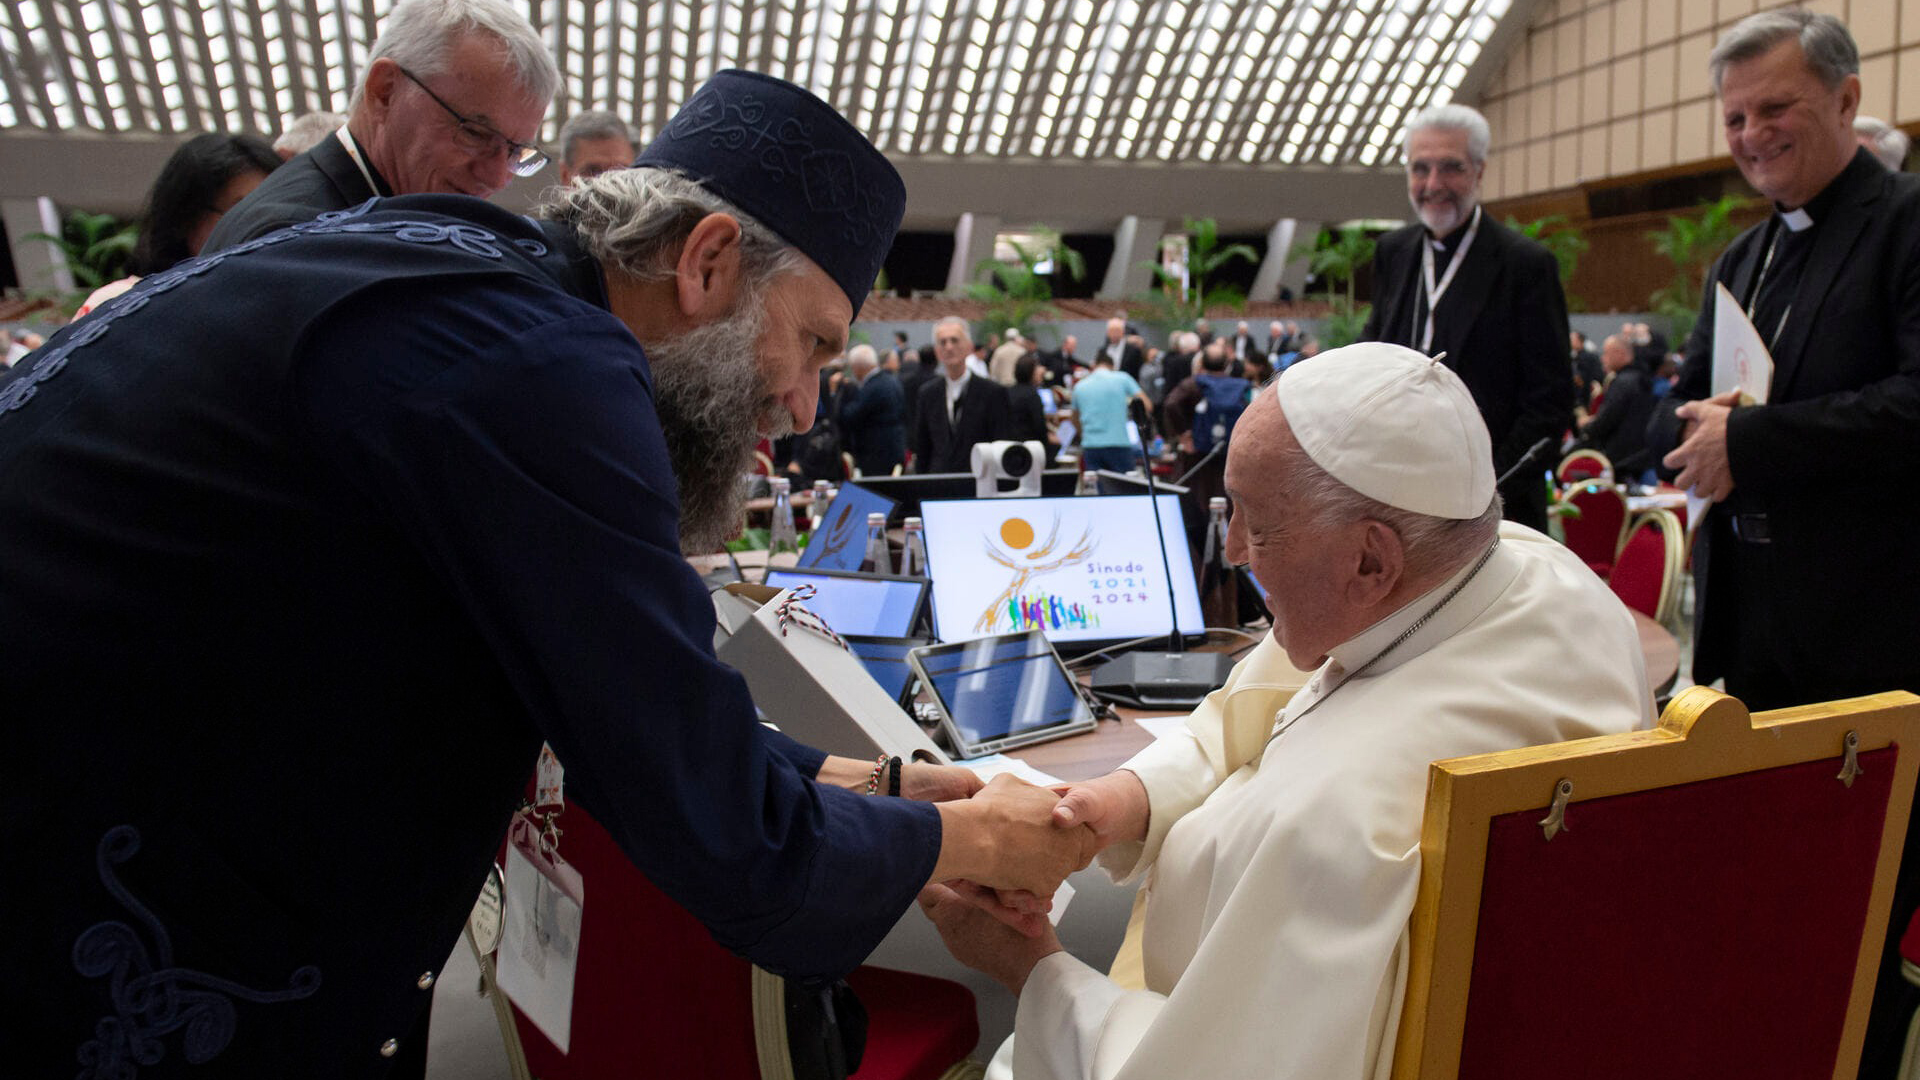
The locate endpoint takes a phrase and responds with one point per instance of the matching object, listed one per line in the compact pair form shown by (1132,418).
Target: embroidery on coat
(49,361)
(152,999)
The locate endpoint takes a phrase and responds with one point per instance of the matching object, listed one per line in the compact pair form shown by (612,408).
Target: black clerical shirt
(1780,279)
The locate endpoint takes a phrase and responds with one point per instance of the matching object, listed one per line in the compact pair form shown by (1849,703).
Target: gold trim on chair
(1560,471)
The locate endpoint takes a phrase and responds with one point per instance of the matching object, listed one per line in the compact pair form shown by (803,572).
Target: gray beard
(711,399)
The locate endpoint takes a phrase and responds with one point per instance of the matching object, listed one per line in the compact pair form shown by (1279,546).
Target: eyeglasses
(482,139)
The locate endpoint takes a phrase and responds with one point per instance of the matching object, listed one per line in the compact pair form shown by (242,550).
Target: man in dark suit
(1804,572)
(958,407)
(450,102)
(1460,283)
(1060,365)
(873,413)
(1619,429)
(1126,356)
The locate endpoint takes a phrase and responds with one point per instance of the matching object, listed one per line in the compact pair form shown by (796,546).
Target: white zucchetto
(1392,425)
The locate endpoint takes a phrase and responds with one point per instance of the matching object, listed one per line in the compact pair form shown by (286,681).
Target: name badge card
(540,943)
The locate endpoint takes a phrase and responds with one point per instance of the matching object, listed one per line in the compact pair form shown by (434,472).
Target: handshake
(1005,848)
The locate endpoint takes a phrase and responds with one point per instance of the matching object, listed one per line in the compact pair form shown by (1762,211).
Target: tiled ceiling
(1271,83)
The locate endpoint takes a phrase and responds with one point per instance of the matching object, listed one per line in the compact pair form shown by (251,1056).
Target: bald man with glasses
(450,103)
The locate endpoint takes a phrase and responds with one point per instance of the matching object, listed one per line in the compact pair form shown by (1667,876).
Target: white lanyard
(1435,292)
(353,151)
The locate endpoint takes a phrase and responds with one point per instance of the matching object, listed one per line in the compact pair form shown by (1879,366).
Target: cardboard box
(811,687)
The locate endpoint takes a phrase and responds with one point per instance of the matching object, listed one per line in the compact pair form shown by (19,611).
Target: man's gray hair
(307,130)
(421,36)
(1824,41)
(862,355)
(594,124)
(1453,118)
(952,320)
(1434,545)
(636,220)
(1888,143)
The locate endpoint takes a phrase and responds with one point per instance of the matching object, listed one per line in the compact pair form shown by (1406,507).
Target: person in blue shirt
(1101,406)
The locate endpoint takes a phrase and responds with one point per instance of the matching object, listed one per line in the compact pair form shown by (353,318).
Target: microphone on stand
(1524,458)
(1174,679)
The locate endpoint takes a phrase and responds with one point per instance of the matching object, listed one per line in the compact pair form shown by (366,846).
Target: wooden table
(1100,751)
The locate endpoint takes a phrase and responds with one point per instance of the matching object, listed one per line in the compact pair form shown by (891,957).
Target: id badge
(540,943)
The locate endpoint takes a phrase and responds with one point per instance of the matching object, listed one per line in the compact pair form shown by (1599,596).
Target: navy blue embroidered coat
(304,549)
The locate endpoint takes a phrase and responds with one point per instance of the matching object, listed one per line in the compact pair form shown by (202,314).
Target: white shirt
(956,387)
(1282,876)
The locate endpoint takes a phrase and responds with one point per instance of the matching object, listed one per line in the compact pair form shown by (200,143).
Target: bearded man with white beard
(1460,283)
(307,546)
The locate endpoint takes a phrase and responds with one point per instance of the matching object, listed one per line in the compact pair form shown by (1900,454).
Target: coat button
(425,981)
(390,1048)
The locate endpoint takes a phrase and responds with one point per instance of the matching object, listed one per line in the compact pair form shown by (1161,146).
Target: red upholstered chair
(654,995)
(1646,573)
(1596,533)
(1708,898)
(1583,465)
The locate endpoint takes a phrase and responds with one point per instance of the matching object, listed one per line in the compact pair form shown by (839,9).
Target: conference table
(1100,751)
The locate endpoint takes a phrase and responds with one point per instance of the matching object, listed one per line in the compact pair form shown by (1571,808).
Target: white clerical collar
(1499,570)
(1797,220)
(955,386)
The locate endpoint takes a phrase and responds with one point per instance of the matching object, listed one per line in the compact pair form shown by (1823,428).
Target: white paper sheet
(1740,362)
(1162,726)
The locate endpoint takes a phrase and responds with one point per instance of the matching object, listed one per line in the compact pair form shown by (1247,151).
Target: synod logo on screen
(1023,605)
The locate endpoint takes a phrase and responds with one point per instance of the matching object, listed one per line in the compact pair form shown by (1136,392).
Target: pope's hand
(1702,456)
(1005,837)
(1114,806)
(983,943)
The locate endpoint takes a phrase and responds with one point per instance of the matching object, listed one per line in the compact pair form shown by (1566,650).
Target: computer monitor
(912,489)
(841,543)
(1082,570)
(871,605)
(1109,482)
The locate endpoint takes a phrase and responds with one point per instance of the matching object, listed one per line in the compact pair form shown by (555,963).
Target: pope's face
(1443,180)
(805,327)
(1303,568)
(1789,133)
(420,148)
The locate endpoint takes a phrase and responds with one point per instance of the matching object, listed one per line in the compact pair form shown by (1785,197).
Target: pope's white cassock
(1282,875)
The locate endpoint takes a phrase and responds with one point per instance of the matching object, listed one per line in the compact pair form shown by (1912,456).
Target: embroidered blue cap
(793,163)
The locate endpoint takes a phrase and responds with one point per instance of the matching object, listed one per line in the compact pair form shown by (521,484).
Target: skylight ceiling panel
(1077,43)
(1044,84)
(74,52)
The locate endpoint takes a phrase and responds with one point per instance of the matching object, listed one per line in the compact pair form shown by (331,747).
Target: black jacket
(983,416)
(322,179)
(1503,327)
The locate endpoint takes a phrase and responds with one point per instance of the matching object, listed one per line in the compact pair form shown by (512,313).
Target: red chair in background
(1646,573)
(1596,532)
(1583,465)
(654,995)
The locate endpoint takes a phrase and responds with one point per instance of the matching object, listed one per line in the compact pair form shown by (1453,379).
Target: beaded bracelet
(879,770)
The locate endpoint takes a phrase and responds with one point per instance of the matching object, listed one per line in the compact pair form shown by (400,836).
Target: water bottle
(1219,584)
(877,558)
(913,554)
(781,537)
(822,497)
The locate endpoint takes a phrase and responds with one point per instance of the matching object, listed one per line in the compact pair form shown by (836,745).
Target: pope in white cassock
(1280,833)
